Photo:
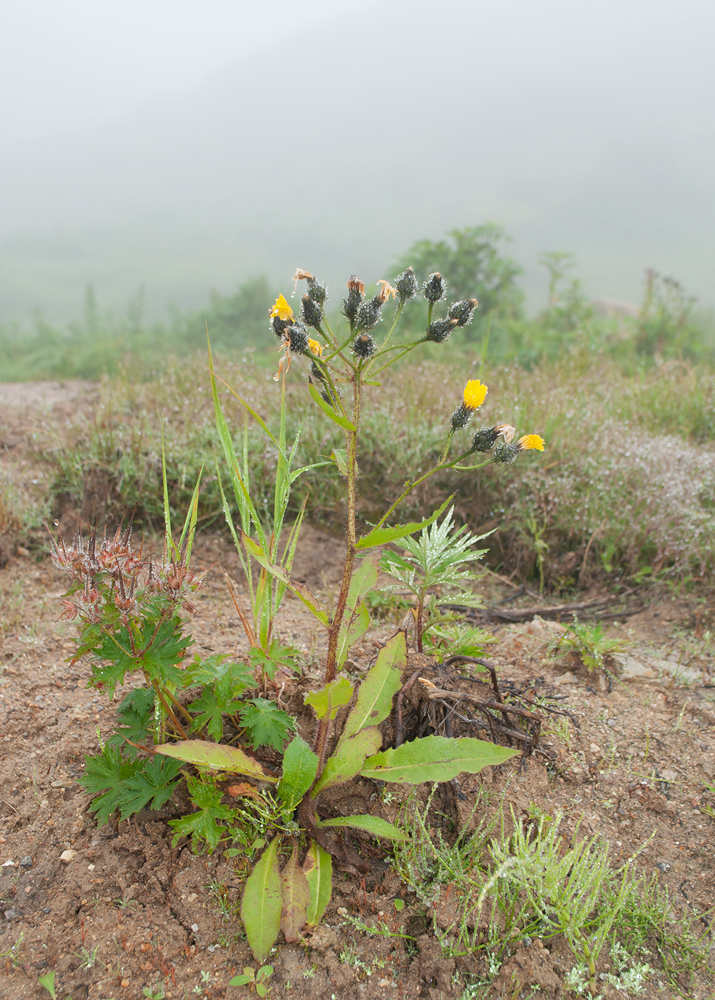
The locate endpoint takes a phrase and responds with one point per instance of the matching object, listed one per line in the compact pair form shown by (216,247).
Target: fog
(182,147)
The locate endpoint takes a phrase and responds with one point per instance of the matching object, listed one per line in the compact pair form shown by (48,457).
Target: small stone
(68,856)
(595,748)
(669,776)
(10,914)
(9,863)
(44,804)
(90,868)
(192,898)
(125,983)
(194,928)
(663,866)
(26,862)
(46,909)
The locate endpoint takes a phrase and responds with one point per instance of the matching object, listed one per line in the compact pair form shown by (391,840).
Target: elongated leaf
(381,536)
(215,755)
(340,457)
(301,592)
(329,699)
(328,410)
(262,903)
(318,868)
(191,518)
(296,898)
(349,758)
(434,758)
(370,824)
(300,765)
(382,682)
(352,632)
(364,579)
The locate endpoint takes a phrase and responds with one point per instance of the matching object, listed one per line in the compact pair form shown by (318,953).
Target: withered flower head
(506,431)
(355,296)
(435,287)
(316,289)
(407,284)
(463,311)
(386,291)
(440,330)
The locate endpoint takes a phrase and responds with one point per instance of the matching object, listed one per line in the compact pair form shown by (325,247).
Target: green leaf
(203,825)
(300,765)
(364,579)
(300,591)
(340,457)
(278,656)
(381,536)
(318,868)
(382,682)
(266,724)
(135,718)
(328,410)
(215,702)
(161,651)
(331,698)
(242,980)
(296,898)
(151,785)
(352,632)
(262,903)
(370,824)
(48,981)
(434,758)
(217,756)
(349,757)
(104,776)
(218,667)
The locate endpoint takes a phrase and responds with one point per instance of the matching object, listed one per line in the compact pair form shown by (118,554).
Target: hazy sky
(180,146)
(68,62)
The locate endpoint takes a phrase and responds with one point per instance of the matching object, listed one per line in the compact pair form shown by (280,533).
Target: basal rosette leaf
(262,902)
(374,825)
(300,765)
(332,697)
(295,893)
(381,683)
(348,758)
(434,758)
(318,868)
(217,756)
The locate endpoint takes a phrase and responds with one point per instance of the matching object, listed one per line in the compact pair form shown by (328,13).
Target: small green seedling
(48,981)
(250,976)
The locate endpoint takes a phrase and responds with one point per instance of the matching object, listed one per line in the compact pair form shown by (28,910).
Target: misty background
(183,147)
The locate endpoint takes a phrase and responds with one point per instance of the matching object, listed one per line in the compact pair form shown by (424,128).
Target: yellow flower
(281,309)
(315,347)
(474,394)
(529,441)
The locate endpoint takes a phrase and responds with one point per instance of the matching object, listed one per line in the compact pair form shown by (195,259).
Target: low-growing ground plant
(131,611)
(589,643)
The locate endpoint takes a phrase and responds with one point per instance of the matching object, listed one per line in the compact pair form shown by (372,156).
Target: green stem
(403,348)
(383,345)
(167,708)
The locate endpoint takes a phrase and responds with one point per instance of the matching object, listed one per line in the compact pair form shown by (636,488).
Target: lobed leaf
(262,903)
(381,536)
(434,758)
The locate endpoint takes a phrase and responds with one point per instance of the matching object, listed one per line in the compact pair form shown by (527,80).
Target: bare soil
(124,913)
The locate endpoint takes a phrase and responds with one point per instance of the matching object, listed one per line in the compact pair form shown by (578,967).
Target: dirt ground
(118,913)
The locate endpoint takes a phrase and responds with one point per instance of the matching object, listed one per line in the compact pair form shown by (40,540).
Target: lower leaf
(369,824)
(296,898)
(434,758)
(262,903)
(318,868)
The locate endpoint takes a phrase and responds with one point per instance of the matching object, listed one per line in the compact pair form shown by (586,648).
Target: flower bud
(484,439)
(317,291)
(312,313)
(407,285)
(463,311)
(435,287)
(369,314)
(298,338)
(506,453)
(351,304)
(364,345)
(279,326)
(440,330)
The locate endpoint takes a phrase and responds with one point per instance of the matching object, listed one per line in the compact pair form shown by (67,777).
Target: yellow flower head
(529,441)
(474,394)
(281,309)
(315,347)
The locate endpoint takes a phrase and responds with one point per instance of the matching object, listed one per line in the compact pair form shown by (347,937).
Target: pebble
(10,914)
(663,866)
(9,863)
(68,856)
(194,928)
(26,862)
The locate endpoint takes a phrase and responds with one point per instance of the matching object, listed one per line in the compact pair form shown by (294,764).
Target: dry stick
(405,689)
(436,694)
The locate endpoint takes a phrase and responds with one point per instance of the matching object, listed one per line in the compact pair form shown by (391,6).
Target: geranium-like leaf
(369,824)
(382,682)
(318,868)
(217,756)
(262,903)
(434,758)
(296,898)
(349,757)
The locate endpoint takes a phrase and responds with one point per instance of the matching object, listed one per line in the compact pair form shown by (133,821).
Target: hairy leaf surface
(349,757)
(434,758)
(370,824)
(318,868)
(300,765)
(295,893)
(215,755)
(262,903)
(381,683)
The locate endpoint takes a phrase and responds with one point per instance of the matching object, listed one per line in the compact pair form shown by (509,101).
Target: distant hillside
(583,127)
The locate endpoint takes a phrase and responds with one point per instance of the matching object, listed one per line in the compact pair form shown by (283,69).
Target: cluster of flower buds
(407,285)
(313,300)
(112,573)
(364,314)
(486,437)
